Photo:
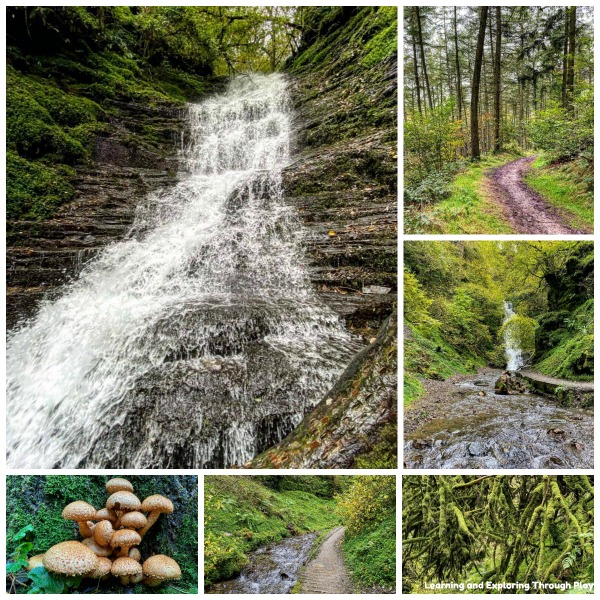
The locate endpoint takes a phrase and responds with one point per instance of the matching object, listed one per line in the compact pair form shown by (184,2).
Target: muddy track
(327,573)
(525,209)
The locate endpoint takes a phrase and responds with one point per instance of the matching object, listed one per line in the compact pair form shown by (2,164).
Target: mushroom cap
(35,561)
(161,567)
(133,520)
(70,558)
(97,549)
(102,568)
(106,514)
(158,502)
(125,566)
(135,554)
(125,537)
(123,501)
(79,511)
(103,533)
(118,484)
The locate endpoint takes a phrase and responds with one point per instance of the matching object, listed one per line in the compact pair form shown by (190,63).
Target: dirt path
(327,573)
(587,386)
(526,210)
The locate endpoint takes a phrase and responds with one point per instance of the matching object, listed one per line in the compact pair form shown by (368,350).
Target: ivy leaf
(13,567)
(22,533)
(45,581)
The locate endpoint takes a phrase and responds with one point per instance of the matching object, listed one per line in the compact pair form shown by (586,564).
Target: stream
(272,569)
(484,430)
(199,340)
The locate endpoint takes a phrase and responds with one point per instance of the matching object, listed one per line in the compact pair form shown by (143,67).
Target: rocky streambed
(272,569)
(465,424)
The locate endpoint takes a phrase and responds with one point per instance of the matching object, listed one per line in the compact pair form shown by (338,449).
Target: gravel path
(587,386)
(327,573)
(526,210)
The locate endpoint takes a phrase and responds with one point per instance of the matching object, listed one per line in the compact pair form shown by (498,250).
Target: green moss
(384,43)
(384,453)
(413,389)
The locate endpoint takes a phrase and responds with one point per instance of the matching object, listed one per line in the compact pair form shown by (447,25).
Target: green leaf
(47,582)
(22,533)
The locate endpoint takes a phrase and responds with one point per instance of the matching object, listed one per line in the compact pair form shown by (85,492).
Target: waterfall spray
(198,340)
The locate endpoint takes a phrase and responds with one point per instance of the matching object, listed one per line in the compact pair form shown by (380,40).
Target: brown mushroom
(160,568)
(96,548)
(155,505)
(123,501)
(102,568)
(103,533)
(124,568)
(135,554)
(118,484)
(125,539)
(133,520)
(106,514)
(81,512)
(35,561)
(70,558)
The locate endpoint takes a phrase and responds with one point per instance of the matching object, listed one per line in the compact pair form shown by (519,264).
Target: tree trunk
(423,63)
(458,79)
(497,144)
(564,62)
(416,65)
(570,83)
(475,152)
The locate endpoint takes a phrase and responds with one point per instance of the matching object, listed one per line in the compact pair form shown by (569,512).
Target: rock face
(344,183)
(344,176)
(42,256)
(349,421)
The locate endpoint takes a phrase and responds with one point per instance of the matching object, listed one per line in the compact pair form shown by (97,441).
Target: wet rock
(423,443)
(478,449)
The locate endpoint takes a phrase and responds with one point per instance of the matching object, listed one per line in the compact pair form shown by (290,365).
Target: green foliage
(371,554)
(384,454)
(242,514)
(431,140)
(522,330)
(368,510)
(565,135)
(385,42)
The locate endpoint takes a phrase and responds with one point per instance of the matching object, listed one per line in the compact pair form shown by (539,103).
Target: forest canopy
(483,81)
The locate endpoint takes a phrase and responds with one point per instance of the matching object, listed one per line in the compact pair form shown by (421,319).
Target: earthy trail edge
(327,573)
(579,385)
(525,209)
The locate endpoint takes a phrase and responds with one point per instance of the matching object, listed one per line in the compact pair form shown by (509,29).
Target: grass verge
(566,187)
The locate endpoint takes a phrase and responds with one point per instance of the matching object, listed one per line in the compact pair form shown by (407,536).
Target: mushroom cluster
(110,539)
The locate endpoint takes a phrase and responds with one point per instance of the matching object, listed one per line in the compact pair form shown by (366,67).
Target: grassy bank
(469,207)
(566,187)
(242,513)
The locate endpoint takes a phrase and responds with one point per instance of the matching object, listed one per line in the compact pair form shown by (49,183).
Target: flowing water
(198,340)
(273,569)
(490,431)
(512,347)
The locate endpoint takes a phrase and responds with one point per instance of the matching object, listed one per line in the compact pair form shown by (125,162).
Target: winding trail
(327,573)
(587,386)
(525,209)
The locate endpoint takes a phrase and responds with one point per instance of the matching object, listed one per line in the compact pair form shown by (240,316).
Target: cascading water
(198,341)
(512,347)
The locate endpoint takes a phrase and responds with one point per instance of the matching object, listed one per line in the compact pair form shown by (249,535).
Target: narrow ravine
(470,426)
(525,209)
(272,569)
(197,341)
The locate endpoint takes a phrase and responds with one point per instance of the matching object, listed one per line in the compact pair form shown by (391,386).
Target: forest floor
(327,573)
(527,211)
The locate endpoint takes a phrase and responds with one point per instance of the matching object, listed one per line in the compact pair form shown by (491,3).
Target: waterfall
(197,341)
(512,347)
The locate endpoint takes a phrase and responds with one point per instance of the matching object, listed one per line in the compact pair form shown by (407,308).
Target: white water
(512,347)
(196,335)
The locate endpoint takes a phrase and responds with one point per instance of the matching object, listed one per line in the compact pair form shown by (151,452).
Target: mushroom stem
(152,518)
(124,579)
(84,529)
(124,551)
(151,581)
